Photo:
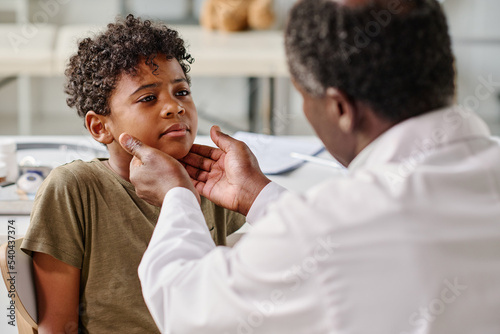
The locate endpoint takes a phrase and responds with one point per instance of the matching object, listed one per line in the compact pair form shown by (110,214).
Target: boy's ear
(96,124)
(343,108)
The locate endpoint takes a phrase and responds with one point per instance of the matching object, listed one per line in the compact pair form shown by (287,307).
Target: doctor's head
(365,65)
(132,77)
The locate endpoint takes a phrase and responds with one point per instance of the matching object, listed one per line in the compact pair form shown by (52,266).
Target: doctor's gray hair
(393,55)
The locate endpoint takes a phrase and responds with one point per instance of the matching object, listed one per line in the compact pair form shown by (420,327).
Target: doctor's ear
(96,124)
(344,109)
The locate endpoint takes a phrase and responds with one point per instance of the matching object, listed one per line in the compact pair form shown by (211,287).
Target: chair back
(17,273)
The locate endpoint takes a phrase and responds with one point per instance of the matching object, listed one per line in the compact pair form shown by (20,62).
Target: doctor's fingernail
(128,141)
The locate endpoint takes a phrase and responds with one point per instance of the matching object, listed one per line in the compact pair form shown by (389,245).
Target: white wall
(475,31)
(76,11)
(473,18)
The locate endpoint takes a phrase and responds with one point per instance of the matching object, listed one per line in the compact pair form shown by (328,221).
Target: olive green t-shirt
(89,217)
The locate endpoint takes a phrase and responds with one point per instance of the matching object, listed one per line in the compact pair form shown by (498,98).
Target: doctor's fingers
(198,161)
(197,174)
(208,152)
(225,142)
(142,153)
(135,163)
(132,145)
(199,186)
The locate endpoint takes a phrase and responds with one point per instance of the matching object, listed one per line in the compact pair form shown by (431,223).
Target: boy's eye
(148,98)
(184,92)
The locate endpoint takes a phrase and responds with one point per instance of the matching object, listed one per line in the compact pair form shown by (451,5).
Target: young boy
(89,229)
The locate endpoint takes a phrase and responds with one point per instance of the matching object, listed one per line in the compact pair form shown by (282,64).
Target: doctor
(408,242)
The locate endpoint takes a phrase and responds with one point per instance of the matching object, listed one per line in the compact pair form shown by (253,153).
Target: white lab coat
(407,242)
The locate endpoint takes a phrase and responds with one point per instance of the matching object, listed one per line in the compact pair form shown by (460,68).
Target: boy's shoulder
(77,171)
(78,167)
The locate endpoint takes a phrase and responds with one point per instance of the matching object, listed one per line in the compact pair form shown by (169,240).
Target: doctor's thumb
(132,145)
(222,140)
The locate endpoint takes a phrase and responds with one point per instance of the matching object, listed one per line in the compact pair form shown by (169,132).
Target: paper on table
(273,152)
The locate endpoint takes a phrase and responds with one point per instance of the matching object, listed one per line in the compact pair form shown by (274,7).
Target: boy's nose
(172,109)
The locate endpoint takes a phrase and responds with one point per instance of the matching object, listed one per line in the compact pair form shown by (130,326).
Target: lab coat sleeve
(191,286)
(181,236)
(271,192)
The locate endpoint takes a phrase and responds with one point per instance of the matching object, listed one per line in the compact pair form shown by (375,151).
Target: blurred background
(32,101)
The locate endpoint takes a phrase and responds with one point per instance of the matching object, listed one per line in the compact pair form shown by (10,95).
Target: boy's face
(156,109)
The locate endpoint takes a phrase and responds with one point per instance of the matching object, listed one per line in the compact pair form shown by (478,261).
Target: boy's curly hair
(92,73)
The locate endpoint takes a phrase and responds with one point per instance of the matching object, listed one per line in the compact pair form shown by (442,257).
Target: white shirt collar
(420,135)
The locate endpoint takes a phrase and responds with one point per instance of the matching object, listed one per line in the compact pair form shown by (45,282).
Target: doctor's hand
(154,173)
(229,175)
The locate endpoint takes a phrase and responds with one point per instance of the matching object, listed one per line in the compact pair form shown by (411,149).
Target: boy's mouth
(176,130)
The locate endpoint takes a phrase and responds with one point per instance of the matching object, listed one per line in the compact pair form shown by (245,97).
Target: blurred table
(53,151)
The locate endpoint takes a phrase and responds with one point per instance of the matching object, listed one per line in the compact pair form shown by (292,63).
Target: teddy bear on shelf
(237,15)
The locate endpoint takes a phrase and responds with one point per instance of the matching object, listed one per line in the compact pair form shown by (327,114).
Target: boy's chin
(178,154)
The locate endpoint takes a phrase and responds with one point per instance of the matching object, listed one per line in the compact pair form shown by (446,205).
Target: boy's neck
(119,162)
(117,169)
